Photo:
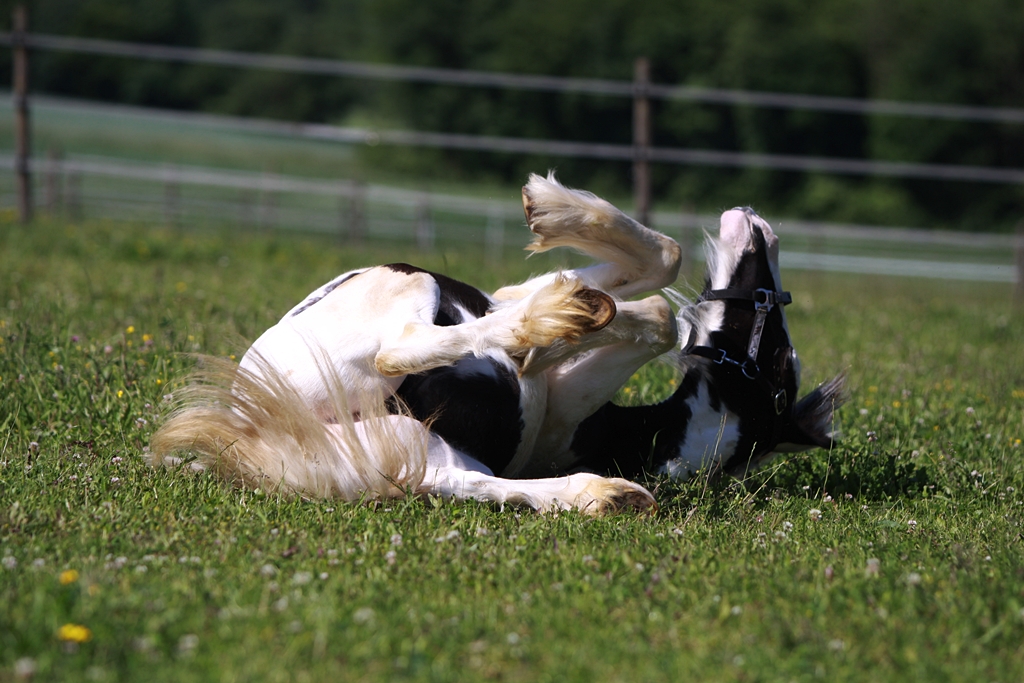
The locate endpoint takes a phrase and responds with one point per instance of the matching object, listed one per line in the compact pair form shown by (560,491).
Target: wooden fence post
(494,236)
(641,140)
(172,202)
(245,212)
(267,205)
(76,208)
(22,146)
(424,224)
(356,211)
(687,226)
(1019,252)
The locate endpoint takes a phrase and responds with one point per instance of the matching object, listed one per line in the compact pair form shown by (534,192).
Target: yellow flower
(120,393)
(131,329)
(1018,393)
(159,381)
(147,337)
(68,576)
(74,633)
(896,404)
(181,286)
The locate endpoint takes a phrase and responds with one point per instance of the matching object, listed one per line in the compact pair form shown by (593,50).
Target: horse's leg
(561,310)
(452,474)
(636,258)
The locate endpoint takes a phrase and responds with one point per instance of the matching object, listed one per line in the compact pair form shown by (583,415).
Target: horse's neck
(689,430)
(620,440)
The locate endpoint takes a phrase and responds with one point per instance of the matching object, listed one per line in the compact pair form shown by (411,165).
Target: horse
(392,380)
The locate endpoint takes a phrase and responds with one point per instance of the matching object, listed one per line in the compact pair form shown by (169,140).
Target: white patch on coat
(710,435)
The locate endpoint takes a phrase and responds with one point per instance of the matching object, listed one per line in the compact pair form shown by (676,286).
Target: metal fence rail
(491,79)
(556,148)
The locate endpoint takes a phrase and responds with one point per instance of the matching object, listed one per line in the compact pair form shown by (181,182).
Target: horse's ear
(812,424)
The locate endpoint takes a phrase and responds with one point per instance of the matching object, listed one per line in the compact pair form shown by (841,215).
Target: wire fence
(191,195)
(180,196)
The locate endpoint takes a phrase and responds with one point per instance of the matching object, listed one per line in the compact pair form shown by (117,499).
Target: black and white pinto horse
(392,379)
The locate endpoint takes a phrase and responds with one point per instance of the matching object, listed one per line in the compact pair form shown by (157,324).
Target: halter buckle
(770,299)
(781,401)
(747,366)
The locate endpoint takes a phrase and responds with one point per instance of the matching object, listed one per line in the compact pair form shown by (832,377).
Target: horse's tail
(256,430)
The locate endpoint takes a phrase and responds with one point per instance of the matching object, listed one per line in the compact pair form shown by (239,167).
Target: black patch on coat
(477,413)
(454,294)
(473,404)
(628,441)
(330,287)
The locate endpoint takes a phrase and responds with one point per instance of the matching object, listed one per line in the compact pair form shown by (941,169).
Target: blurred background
(907,154)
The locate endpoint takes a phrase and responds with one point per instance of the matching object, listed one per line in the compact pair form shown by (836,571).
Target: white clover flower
(188,643)
(363,615)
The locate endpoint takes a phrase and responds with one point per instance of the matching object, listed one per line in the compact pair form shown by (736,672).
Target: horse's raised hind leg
(635,258)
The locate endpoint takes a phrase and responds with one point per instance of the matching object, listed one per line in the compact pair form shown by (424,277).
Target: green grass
(913,570)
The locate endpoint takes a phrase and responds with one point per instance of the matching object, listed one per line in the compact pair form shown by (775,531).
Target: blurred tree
(917,50)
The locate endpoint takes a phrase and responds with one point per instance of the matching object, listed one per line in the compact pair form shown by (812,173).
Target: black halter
(764,301)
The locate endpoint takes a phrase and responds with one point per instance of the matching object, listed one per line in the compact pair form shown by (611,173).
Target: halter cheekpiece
(764,301)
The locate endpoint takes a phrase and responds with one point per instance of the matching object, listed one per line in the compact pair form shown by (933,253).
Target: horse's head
(738,325)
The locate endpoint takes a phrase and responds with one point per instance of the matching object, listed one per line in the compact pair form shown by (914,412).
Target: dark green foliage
(916,50)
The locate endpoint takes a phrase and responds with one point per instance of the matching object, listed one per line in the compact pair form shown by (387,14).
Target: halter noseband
(764,301)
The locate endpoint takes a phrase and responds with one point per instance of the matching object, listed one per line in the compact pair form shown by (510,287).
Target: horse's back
(342,325)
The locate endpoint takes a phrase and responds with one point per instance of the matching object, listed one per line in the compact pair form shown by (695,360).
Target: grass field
(897,556)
